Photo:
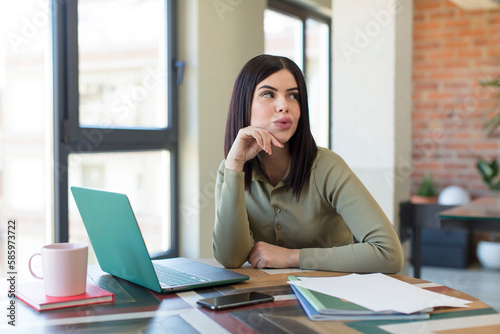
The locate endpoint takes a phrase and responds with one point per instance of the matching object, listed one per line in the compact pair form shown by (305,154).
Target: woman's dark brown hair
(302,146)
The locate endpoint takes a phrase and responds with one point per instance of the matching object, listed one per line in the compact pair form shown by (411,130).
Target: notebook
(120,249)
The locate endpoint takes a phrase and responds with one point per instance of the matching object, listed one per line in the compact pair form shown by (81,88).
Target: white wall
(216,38)
(372,43)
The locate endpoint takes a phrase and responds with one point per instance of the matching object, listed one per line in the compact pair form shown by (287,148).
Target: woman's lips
(283,123)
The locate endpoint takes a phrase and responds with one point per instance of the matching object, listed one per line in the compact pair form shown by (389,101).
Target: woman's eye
(267,94)
(294,96)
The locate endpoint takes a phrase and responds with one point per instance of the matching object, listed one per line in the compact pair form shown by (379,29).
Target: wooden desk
(482,214)
(138,310)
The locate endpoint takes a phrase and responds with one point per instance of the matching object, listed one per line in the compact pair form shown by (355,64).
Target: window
(87,98)
(304,37)
(115,126)
(25,126)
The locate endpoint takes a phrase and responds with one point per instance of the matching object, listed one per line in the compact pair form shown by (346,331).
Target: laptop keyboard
(173,277)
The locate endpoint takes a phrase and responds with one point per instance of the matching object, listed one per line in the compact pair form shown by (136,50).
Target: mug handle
(31,270)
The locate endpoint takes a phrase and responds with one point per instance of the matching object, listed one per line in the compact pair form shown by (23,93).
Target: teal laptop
(120,249)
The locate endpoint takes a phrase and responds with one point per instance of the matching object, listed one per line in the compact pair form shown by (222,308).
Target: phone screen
(235,300)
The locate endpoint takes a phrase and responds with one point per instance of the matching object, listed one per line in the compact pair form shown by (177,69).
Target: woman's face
(275,105)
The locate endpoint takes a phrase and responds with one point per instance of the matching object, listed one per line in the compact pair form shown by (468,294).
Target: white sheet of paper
(379,292)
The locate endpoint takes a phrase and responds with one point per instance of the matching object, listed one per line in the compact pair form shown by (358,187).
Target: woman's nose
(282,105)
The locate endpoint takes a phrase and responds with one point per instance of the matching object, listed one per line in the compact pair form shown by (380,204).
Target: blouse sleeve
(232,238)
(378,249)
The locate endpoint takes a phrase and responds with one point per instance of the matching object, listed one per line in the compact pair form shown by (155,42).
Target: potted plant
(426,192)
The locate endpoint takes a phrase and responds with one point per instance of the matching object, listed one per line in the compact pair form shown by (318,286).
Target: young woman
(281,201)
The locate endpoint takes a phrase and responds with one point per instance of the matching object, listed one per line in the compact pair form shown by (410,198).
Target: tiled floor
(479,282)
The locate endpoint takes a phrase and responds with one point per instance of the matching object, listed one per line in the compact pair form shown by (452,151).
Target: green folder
(326,304)
(330,305)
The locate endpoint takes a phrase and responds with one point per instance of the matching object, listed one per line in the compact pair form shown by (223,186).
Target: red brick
(426,26)
(456,146)
(455,165)
(440,95)
(442,34)
(442,75)
(470,54)
(494,53)
(425,66)
(472,13)
(418,36)
(456,64)
(426,86)
(456,44)
(484,41)
(434,116)
(419,17)
(472,32)
(493,63)
(447,54)
(416,117)
(466,135)
(485,146)
(462,23)
(419,58)
(442,14)
(455,85)
(418,76)
(429,166)
(426,104)
(424,6)
(417,95)
(428,44)
(419,126)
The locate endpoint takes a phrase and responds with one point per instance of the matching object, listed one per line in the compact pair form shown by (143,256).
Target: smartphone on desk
(235,300)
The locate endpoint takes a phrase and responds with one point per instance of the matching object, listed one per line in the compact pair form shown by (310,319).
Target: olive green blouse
(333,206)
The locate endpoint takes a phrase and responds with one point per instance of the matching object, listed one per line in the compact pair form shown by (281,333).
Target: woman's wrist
(294,258)
(234,165)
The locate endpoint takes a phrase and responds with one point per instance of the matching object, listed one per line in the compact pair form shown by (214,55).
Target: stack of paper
(372,296)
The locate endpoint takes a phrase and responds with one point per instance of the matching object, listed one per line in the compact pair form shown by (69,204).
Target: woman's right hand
(248,143)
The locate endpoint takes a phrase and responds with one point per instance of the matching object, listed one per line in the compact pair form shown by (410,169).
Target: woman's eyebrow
(267,87)
(275,89)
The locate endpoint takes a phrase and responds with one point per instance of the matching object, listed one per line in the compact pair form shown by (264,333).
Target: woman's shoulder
(326,158)
(330,169)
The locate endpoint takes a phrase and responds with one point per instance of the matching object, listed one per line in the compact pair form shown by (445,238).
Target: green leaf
(489,173)
(484,169)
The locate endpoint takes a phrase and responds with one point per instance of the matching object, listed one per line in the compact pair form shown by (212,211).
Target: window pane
(122,63)
(25,127)
(317,65)
(143,176)
(283,36)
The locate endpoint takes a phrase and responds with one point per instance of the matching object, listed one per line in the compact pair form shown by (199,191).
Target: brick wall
(453,51)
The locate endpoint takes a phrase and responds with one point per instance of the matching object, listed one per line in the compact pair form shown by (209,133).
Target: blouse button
(278,227)
(277,210)
(280,243)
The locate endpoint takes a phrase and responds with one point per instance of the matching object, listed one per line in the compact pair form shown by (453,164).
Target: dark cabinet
(430,245)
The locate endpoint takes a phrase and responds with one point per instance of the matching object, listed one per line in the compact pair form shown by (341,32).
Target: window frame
(303,12)
(69,135)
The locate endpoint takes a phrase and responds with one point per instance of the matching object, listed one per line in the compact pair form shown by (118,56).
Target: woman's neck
(274,166)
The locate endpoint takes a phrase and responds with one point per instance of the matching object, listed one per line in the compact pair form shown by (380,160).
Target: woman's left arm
(378,249)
